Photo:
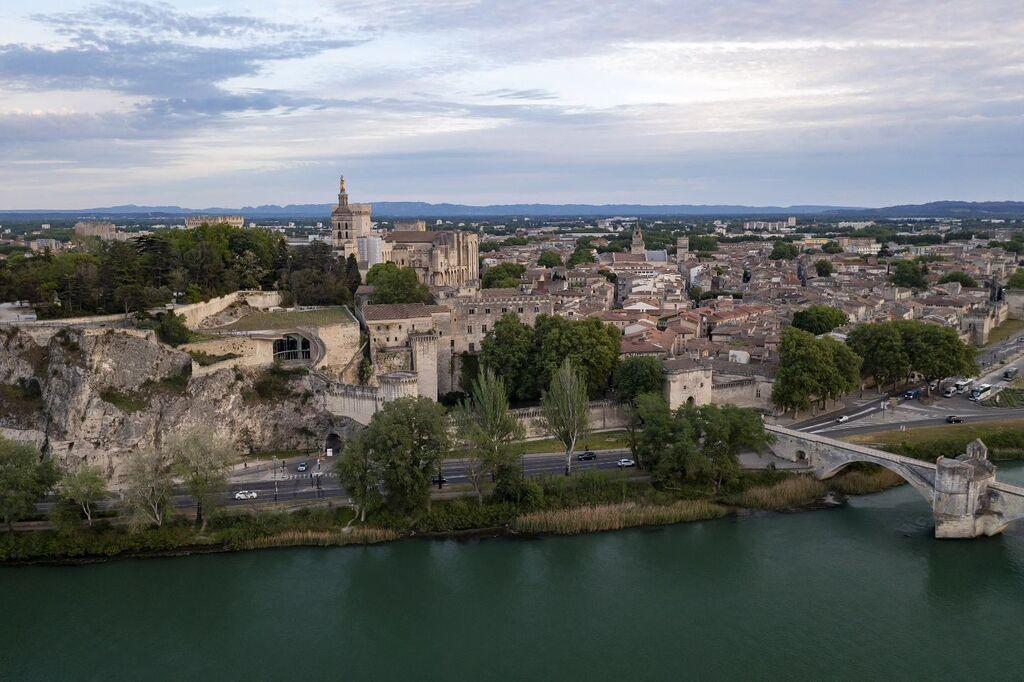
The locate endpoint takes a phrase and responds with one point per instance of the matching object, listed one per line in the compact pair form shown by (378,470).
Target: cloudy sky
(220,103)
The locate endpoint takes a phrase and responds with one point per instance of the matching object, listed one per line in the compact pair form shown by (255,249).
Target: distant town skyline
(219,103)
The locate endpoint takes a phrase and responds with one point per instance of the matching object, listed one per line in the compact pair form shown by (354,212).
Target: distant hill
(416,209)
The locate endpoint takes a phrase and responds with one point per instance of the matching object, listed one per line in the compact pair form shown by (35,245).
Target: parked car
(624,462)
(439,480)
(246,495)
(843,419)
(953,419)
(584,456)
(304,466)
(949,392)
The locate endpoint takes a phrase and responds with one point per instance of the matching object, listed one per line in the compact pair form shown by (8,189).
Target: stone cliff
(100,394)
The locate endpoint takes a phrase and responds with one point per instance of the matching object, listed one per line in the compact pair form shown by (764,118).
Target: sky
(203,103)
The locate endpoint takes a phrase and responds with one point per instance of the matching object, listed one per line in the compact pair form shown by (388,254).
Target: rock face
(98,395)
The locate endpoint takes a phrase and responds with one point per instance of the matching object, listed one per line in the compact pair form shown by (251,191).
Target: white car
(245,495)
(843,419)
(625,463)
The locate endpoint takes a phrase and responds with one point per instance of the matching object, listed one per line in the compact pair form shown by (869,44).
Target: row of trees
(190,265)
(893,351)
(527,357)
(198,459)
(813,369)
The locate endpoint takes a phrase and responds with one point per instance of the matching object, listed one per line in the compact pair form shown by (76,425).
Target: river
(852,593)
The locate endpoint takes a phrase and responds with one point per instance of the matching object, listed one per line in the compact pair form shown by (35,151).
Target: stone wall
(604,415)
(252,352)
(194,313)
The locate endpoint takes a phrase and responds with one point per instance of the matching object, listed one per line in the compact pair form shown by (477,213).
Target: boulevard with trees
(813,370)
(893,351)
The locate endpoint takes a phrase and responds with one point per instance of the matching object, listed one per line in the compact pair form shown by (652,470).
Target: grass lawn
(1005,331)
(926,434)
(605,440)
(289,319)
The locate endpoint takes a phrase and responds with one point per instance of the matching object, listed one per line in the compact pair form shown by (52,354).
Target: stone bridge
(966,499)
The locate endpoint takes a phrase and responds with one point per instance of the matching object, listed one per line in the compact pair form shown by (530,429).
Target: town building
(194,221)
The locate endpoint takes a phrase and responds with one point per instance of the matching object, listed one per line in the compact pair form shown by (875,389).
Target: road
(866,416)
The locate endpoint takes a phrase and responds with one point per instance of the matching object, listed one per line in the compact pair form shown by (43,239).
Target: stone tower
(349,222)
(637,246)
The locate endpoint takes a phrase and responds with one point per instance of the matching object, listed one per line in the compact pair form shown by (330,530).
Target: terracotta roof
(400,311)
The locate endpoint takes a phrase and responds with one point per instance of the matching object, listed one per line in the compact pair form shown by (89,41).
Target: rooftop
(401,311)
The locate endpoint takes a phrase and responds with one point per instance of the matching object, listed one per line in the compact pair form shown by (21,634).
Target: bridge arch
(923,486)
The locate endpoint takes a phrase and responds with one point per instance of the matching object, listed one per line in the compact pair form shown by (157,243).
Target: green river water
(861,592)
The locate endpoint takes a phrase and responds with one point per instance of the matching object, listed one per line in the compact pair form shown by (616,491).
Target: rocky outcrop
(101,394)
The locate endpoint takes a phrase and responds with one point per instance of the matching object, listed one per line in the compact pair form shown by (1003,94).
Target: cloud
(538,99)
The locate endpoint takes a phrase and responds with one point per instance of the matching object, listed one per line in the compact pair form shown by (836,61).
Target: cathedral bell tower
(637,246)
(349,223)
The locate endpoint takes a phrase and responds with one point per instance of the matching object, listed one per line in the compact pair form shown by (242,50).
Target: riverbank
(588,503)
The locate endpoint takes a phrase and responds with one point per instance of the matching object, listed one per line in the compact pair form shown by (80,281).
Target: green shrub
(126,402)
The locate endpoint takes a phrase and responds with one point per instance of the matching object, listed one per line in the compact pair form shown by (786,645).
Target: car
(584,456)
(912,395)
(622,463)
(304,466)
(949,392)
(842,420)
(439,480)
(953,419)
(246,495)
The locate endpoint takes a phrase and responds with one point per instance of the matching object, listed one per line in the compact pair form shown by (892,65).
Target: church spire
(342,194)
(637,246)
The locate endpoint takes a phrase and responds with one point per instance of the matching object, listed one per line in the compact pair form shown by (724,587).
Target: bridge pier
(961,493)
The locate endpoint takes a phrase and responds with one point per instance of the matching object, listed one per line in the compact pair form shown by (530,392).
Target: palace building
(448,258)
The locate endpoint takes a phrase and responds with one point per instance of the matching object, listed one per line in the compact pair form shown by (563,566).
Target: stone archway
(333,443)
(690,402)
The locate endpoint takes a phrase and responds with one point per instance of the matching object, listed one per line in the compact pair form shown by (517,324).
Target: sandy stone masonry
(966,499)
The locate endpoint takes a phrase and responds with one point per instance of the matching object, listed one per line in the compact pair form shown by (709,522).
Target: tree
(549,259)
(591,345)
(504,276)
(703,242)
(832,248)
(149,485)
(24,478)
(962,277)
(881,347)
(819,319)
(910,274)
(405,442)
(202,460)
(394,284)
(936,352)
(171,329)
(638,375)
(823,267)
(783,251)
(359,474)
(843,367)
(724,431)
(802,366)
(83,487)
(489,433)
(352,277)
(508,351)
(566,409)
(1016,280)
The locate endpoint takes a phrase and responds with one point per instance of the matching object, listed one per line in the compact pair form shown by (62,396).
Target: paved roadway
(868,415)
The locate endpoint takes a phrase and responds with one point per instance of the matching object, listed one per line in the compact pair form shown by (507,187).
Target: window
(472,311)
(536,309)
(504,310)
(471,348)
(485,329)
(487,311)
(469,329)
(520,310)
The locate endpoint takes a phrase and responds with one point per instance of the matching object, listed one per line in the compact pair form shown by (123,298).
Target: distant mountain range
(416,209)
